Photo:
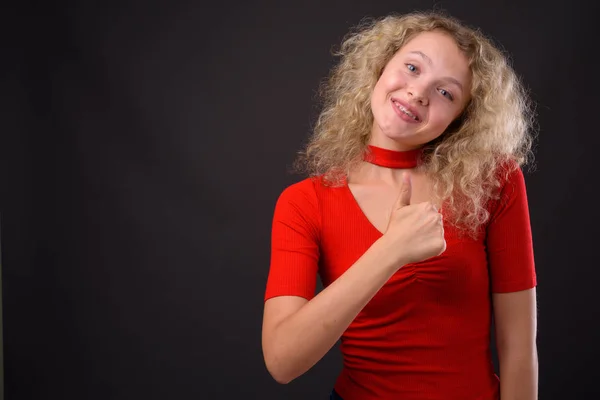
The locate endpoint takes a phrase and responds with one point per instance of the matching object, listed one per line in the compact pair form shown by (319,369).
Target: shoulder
(301,197)
(314,191)
(298,206)
(303,190)
(511,178)
(511,191)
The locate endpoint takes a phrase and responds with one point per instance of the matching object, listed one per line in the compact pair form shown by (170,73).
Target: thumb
(405,191)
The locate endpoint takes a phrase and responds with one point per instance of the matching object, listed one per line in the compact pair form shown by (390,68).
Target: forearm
(302,339)
(518,375)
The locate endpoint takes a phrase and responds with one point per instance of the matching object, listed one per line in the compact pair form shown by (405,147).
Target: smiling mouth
(402,109)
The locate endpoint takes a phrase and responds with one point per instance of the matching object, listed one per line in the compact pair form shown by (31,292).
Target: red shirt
(426,334)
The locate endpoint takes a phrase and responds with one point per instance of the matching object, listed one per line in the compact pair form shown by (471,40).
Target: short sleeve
(294,243)
(509,240)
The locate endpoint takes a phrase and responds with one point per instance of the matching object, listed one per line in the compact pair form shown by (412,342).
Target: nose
(417,95)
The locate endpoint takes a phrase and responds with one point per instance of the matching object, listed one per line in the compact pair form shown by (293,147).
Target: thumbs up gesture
(415,232)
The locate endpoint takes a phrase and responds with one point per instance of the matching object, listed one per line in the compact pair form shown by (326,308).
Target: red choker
(393,158)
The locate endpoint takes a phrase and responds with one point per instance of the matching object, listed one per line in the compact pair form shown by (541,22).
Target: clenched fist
(415,231)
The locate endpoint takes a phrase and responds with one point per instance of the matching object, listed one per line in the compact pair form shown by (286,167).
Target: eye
(411,67)
(446,94)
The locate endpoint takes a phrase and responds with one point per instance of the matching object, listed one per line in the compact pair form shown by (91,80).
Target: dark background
(143,147)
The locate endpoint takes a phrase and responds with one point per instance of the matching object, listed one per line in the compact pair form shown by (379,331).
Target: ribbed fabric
(426,334)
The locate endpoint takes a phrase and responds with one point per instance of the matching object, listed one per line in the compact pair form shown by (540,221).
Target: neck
(394,159)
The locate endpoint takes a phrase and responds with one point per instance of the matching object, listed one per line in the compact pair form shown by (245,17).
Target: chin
(413,139)
(403,137)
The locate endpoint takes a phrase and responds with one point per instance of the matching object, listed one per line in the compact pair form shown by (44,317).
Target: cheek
(390,82)
(441,116)
(395,82)
(379,94)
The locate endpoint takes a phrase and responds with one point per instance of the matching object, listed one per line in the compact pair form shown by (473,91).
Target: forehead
(440,47)
(434,40)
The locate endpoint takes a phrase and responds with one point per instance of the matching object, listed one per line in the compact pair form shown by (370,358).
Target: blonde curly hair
(492,137)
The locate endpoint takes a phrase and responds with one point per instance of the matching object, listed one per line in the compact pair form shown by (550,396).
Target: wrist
(389,254)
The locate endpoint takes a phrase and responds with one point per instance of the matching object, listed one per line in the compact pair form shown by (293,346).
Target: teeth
(405,111)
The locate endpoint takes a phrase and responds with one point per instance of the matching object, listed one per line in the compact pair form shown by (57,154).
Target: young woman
(415,216)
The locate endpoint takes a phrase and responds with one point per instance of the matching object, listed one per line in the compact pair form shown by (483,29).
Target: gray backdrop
(144,145)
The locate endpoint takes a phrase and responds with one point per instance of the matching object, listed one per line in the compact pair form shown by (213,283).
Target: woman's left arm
(515,316)
(512,272)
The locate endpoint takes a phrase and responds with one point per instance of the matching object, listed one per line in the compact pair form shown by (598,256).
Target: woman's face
(423,88)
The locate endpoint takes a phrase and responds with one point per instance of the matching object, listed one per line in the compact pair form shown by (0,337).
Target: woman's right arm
(297,333)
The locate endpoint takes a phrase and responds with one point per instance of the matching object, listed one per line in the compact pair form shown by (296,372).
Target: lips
(406,111)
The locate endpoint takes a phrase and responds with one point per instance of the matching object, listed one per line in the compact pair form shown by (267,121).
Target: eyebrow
(426,58)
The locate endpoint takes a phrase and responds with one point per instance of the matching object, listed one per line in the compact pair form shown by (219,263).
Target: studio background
(144,145)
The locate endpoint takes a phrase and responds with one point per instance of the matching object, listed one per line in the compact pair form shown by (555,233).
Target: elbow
(279,376)
(278,373)
(277,368)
